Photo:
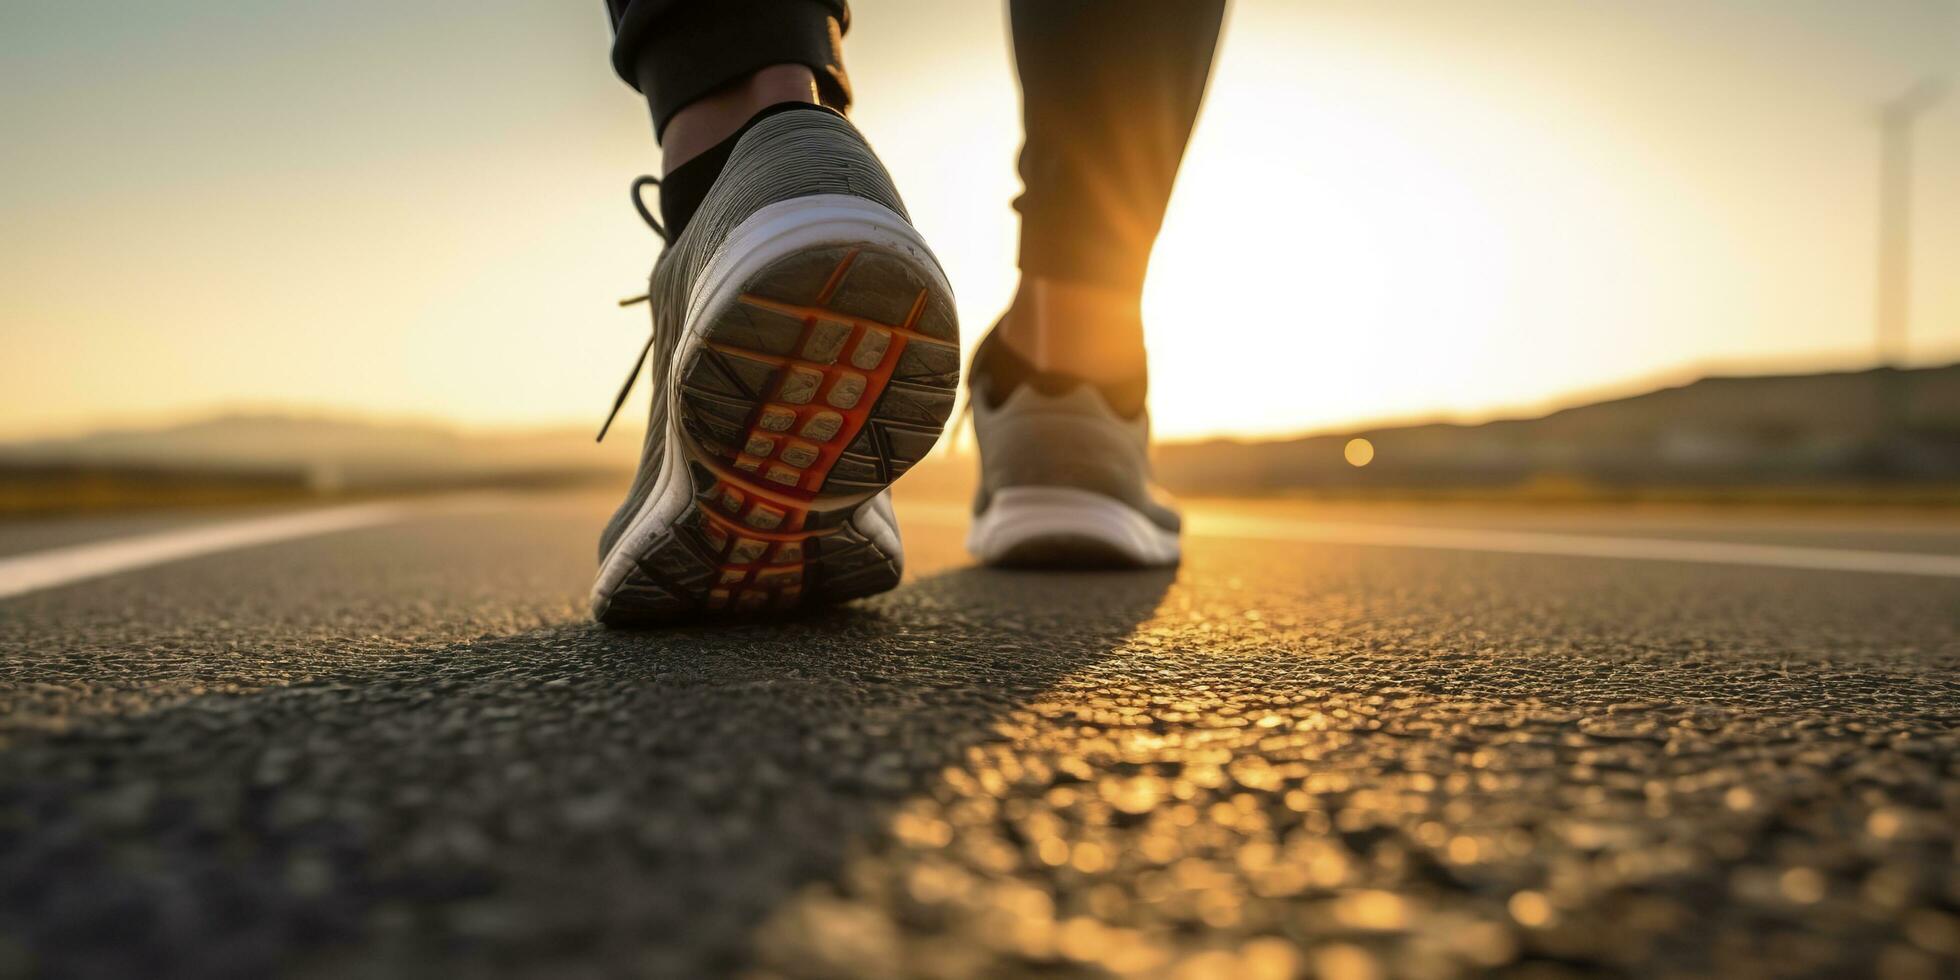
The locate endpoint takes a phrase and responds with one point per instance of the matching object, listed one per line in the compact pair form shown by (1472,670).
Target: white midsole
(771,233)
(1017,516)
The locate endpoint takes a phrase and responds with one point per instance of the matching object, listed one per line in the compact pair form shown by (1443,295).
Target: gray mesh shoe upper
(1072,439)
(783,156)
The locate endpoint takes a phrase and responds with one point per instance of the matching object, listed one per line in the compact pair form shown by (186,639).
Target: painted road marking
(22,574)
(61,566)
(1211,524)
(1579,545)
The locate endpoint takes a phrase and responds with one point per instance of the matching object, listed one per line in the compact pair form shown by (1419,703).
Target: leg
(1110,91)
(707,68)
(804,349)
(680,52)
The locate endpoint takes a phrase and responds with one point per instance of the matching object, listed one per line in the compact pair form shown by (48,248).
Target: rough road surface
(387,751)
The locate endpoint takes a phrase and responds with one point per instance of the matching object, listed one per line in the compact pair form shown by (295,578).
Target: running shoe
(1065,476)
(805,354)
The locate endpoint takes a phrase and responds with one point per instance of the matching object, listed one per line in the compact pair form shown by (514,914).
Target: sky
(1391,209)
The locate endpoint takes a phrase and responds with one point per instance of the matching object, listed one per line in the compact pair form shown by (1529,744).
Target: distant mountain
(1883,425)
(337,453)
(1896,427)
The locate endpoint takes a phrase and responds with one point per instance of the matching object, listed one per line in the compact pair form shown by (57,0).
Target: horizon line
(1818,363)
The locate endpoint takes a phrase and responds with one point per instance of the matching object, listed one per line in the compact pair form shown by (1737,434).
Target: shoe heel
(818,370)
(831,373)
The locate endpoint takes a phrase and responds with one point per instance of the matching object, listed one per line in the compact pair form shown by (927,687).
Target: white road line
(1210,524)
(60,566)
(1578,545)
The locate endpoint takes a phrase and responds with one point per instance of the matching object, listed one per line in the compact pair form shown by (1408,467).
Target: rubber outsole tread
(831,375)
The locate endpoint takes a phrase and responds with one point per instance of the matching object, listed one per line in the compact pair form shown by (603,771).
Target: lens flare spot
(1359,452)
(1531,909)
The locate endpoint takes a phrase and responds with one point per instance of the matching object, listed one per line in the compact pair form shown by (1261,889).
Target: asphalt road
(399,748)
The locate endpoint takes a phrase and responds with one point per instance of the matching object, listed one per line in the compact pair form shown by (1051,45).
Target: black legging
(1110,89)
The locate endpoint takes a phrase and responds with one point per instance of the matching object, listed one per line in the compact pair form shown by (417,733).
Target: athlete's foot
(1064,470)
(805,354)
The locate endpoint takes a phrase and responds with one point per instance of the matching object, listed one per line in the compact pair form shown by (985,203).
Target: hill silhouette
(1882,426)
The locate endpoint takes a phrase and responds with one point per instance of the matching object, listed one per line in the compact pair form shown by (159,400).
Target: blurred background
(1525,248)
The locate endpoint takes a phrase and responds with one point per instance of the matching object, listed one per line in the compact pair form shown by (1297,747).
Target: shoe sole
(1062,527)
(822,364)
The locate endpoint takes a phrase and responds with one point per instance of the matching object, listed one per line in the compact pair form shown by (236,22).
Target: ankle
(686,185)
(709,120)
(1090,332)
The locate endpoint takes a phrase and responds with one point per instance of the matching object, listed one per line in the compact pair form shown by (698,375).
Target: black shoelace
(640,205)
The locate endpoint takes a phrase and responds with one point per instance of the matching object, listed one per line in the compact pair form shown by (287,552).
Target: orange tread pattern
(818,401)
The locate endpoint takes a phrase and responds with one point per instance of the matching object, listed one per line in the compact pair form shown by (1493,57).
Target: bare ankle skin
(714,118)
(1090,332)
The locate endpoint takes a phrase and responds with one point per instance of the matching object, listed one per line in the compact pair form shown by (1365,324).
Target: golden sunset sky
(1391,209)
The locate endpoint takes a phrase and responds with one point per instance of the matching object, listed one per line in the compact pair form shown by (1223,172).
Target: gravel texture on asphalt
(399,750)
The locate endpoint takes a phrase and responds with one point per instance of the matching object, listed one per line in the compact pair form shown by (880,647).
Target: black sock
(682,191)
